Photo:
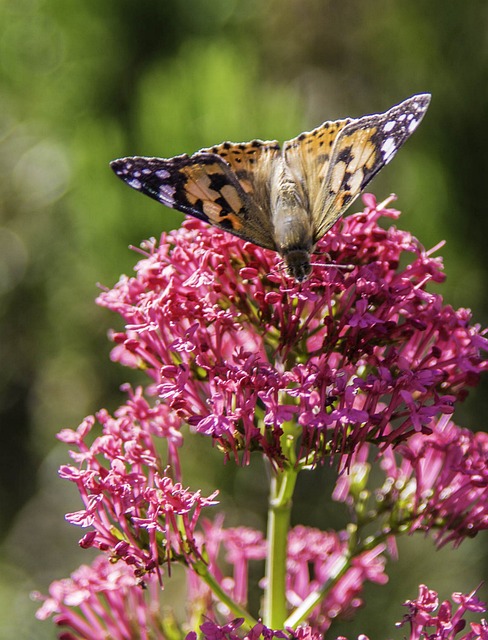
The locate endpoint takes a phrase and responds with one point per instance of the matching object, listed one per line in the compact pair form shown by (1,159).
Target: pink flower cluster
(138,512)
(312,557)
(105,600)
(355,354)
(440,480)
(451,480)
(424,622)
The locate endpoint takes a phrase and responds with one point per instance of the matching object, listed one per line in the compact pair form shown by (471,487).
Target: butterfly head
(298,264)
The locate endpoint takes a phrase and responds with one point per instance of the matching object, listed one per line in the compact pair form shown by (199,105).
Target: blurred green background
(84,82)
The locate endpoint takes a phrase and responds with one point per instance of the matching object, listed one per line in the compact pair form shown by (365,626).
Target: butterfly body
(292,223)
(280,199)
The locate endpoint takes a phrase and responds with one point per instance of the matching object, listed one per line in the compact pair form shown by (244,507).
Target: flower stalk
(282,485)
(202,570)
(303,611)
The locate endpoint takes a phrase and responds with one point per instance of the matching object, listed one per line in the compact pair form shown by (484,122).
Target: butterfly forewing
(252,164)
(201,185)
(361,149)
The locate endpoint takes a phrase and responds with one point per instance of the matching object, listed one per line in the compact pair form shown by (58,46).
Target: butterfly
(280,199)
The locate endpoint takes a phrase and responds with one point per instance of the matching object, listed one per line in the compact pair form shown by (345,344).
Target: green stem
(280,501)
(340,567)
(302,612)
(202,570)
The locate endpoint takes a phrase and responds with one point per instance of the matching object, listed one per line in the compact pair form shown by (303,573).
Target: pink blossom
(361,354)
(305,632)
(450,468)
(104,600)
(138,512)
(436,483)
(313,556)
(241,545)
(312,559)
(213,631)
(447,624)
(357,360)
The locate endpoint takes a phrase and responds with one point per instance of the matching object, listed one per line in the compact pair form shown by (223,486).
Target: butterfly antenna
(279,266)
(346,267)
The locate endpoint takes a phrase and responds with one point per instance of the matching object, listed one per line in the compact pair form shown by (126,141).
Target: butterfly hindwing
(201,185)
(308,155)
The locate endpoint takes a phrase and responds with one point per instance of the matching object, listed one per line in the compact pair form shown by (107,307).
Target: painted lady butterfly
(280,199)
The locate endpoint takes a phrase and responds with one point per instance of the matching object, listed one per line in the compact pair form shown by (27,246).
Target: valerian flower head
(137,511)
(213,631)
(359,352)
(359,358)
(105,600)
(450,470)
(313,557)
(437,483)
(428,618)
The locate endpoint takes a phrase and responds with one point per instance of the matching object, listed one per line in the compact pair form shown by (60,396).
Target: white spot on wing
(388,149)
(412,125)
(356,181)
(166,194)
(337,176)
(162,174)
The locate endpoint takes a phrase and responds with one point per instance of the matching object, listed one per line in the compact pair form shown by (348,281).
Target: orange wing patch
(308,155)
(252,163)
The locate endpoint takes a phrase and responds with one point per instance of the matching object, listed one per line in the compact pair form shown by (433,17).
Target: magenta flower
(213,631)
(426,624)
(313,556)
(138,513)
(241,546)
(312,559)
(359,354)
(450,468)
(425,613)
(105,600)
(436,483)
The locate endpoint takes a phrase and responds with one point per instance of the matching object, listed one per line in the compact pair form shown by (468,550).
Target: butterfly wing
(358,150)
(252,163)
(202,185)
(308,156)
